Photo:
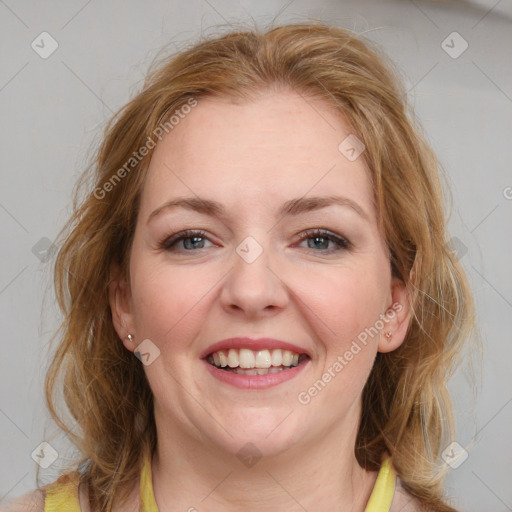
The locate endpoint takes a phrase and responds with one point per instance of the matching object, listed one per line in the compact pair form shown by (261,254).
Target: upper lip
(253,344)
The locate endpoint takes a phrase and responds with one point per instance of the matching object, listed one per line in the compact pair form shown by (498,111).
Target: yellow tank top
(62,495)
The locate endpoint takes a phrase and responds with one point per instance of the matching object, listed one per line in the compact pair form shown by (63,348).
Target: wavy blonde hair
(407,411)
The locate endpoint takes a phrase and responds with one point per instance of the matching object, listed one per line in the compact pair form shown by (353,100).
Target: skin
(252,157)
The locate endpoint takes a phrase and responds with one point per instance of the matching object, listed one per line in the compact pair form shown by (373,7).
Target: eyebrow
(291,207)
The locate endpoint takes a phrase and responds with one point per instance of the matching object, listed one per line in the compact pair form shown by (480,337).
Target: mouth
(244,361)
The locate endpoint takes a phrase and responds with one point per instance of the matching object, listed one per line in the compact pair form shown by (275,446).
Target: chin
(258,434)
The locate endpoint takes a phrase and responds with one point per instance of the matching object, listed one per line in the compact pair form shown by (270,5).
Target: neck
(323,476)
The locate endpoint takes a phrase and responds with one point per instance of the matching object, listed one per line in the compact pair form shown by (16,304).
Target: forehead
(280,145)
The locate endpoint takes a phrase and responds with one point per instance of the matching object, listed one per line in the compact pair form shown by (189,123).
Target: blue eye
(321,239)
(196,238)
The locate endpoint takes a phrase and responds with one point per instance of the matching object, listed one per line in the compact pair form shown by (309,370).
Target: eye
(193,239)
(321,239)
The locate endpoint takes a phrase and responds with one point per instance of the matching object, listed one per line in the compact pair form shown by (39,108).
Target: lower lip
(255,381)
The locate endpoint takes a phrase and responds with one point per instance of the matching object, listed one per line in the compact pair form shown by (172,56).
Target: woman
(266,235)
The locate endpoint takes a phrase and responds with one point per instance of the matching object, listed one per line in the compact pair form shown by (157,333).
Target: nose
(253,287)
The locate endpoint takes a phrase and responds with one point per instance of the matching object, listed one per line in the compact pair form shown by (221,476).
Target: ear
(396,318)
(120,305)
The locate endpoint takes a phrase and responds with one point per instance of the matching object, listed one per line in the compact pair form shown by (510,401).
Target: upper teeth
(246,358)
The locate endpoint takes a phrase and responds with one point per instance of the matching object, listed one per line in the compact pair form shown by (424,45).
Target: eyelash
(342,243)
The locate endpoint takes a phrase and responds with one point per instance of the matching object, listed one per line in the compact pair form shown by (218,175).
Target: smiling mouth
(255,362)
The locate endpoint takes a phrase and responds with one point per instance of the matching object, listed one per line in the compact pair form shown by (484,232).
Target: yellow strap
(384,489)
(380,499)
(147,496)
(62,495)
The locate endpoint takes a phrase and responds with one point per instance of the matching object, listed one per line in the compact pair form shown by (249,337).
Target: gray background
(53,110)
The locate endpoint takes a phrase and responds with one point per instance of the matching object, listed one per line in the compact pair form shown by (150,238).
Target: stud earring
(130,338)
(388,336)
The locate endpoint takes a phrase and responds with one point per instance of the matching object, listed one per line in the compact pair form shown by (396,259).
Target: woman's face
(269,261)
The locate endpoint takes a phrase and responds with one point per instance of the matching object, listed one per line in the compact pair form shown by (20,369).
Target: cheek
(346,301)
(167,301)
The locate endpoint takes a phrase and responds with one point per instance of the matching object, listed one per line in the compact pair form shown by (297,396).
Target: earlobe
(120,306)
(397,318)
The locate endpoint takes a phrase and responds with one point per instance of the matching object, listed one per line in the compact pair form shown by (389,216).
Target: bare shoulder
(403,501)
(31,502)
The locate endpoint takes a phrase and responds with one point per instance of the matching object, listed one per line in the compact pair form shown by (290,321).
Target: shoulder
(403,501)
(30,502)
(66,489)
